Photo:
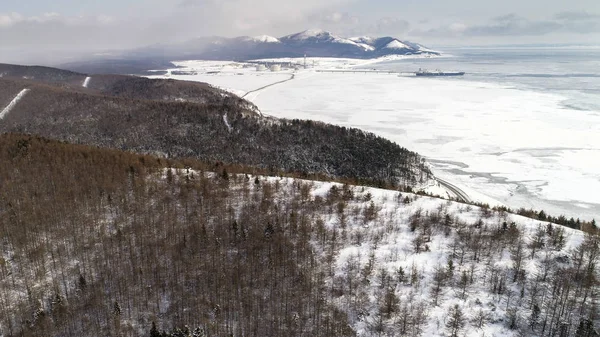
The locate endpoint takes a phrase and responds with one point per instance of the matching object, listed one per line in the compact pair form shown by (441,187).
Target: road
(268,85)
(460,194)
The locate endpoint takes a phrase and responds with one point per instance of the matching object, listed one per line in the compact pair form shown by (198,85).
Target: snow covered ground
(500,145)
(230,76)
(386,244)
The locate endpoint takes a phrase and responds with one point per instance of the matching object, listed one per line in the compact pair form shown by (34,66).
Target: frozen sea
(521,128)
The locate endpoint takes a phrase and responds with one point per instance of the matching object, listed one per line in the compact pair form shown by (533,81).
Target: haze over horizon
(42,29)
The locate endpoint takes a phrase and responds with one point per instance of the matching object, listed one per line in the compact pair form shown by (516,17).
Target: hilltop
(105,242)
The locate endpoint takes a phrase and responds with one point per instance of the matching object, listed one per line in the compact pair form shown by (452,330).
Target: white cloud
(252,16)
(10,19)
(515,26)
(340,18)
(457,28)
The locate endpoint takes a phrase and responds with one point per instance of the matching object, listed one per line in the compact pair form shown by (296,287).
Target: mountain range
(313,43)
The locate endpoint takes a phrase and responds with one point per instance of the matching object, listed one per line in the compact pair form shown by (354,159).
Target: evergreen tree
(225,175)
(450,269)
(586,329)
(198,332)
(456,321)
(117,309)
(535,316)
(82,283)
(154,331)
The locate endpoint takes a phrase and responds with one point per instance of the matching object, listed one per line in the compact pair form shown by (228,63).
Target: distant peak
(308,34)
(265,39)
(395,44)
(363,39)
(314,32)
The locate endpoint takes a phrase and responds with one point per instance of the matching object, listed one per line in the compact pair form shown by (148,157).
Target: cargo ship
(427,73)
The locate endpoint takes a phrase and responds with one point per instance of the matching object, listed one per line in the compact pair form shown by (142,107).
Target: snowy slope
(264,39)
(317,36)
(387,243)
(382,258)
(391,271)
(395,44)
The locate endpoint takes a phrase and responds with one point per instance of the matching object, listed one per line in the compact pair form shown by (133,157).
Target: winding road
(268,85)
(460,194)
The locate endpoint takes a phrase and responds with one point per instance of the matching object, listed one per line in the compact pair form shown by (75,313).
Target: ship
(427,73)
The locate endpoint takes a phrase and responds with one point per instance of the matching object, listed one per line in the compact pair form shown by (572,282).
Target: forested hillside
(41,74)
(183,119)
(99,242)
(126,86)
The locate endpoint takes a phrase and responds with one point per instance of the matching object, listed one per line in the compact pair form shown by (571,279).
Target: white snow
(389,240)
(396,45)
(265,39)
(478,136)
(227,123)
(86,82)
(362,39)
(13,103)
(319,33)
(490,133)
(366,46)
(425,49)
(233,77)
(309,33)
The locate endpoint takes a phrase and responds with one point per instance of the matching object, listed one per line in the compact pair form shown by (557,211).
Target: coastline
(463,122)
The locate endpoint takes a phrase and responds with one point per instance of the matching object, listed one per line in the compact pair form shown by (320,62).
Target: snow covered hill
(112,243)
(406,265)
(264,39)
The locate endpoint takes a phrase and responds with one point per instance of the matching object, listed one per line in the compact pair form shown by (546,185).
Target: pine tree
(117,309)
(390,303)
(463,284)
(535,316)
(82,283)
(225,175)
(585,329)
(198,332)
(456,321)
(154,331)
(450,269)
(400,275)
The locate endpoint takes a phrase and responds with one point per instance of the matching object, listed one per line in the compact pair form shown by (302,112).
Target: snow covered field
(500,145)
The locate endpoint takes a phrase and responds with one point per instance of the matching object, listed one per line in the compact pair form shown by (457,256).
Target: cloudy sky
(34,27)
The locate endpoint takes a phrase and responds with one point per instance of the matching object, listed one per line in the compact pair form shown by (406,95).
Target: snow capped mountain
(308,34)
(312,42)
(265,39)
(316,36)
(396,45)
(363,39)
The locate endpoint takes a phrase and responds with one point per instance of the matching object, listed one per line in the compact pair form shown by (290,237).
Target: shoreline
(404,111)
